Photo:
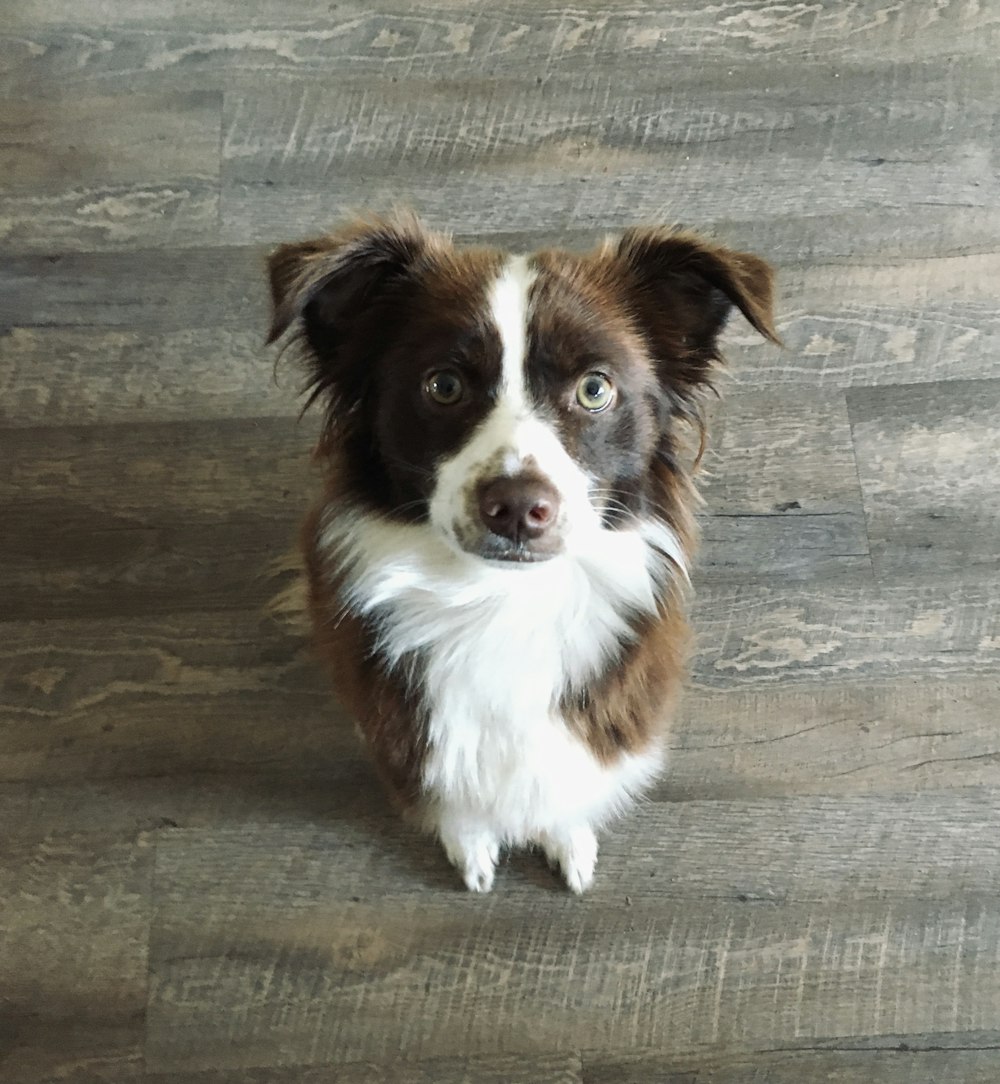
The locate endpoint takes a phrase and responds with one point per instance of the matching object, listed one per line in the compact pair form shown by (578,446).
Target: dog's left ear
(327,281)
(683,288)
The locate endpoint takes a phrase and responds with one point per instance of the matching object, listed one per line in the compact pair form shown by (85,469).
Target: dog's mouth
(514,557)
(495,550)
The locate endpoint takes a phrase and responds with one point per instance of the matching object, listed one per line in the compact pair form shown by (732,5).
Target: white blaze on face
(512,436)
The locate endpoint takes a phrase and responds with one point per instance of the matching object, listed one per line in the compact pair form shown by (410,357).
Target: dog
(497,566)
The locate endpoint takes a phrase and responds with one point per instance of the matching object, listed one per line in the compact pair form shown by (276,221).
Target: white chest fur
(499,646)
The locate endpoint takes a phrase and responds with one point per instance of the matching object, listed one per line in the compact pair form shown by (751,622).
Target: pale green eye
(444,387)
(595,392)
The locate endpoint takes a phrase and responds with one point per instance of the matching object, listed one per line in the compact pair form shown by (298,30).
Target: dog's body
(497,564)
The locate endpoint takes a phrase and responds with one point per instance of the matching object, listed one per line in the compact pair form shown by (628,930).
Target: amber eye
(595,392)
(444,387)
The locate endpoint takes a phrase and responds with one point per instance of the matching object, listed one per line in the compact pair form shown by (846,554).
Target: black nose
(521,508)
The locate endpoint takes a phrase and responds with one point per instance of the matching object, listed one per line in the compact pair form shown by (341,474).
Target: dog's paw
(575,853)
(475,858)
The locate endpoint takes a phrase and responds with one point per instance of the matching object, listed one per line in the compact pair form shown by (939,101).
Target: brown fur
(389,715)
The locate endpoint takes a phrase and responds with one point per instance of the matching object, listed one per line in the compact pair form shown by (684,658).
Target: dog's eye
(444,387)
(595,392)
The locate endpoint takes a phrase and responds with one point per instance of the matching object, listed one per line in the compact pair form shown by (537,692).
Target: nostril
(539,514)
(495,510)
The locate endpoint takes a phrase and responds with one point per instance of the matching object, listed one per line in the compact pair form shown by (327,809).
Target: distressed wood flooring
(200,882)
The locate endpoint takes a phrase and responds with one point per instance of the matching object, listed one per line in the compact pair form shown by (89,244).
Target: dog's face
(515,403)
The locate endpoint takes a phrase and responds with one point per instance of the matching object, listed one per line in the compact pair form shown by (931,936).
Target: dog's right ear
(327,282)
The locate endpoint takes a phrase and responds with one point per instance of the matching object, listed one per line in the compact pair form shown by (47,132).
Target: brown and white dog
(496,566)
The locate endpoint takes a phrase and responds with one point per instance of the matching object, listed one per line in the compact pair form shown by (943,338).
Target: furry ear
(685,287)
(327,281)
(330,289)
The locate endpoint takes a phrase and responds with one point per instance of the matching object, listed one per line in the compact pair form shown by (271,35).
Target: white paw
(475,858)
(575,852)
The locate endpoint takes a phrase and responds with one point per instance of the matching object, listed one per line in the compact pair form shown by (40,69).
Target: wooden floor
(199,880)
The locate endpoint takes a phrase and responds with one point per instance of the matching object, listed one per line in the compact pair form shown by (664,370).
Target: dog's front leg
(574,851)
(471,846)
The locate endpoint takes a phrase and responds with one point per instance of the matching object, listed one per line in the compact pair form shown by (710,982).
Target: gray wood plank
(707,184)
(158,289)
(781,490)
(49,47)
(98,564)
(150,473)
(96,142)
(296,132)
(123,375)
(239,796)
(834,1066)
(109,217)
(488,1069)
(779,451)
(206,694)
(755,635)
(149,519)
(929,460)
(495,1069)
(835,338)
(74,928)
(88,173)
(787,547)
(834,737)
(865,29)
(296,964)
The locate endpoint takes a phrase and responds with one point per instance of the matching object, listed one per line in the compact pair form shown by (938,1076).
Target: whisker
(413,468)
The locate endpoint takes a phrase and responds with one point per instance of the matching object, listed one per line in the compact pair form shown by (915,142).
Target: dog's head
(518,404)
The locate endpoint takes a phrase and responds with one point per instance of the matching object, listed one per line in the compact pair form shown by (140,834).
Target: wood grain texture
(340,953)
(72,376)
(209,693)
(195,471)
(95,564)
(158,136)
(73,941)
(777,451)
(151,45)
(109,217)
(86,173)
(133,527)
(780,505)
(497,198)
(928,460)
(157,289)
(293,131)
(750,635)
(834,737)
(497,1069)
(901,1064)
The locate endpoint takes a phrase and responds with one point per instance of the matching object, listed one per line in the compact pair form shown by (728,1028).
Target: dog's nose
(519,508)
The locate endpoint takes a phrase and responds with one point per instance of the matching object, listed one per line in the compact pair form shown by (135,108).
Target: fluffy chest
(494,651)
(497,745)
